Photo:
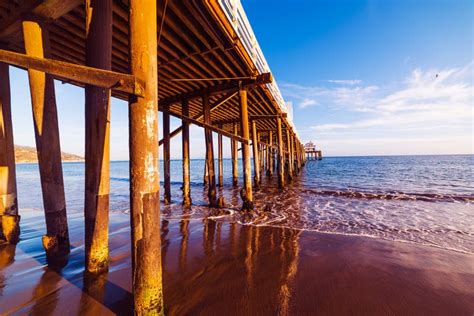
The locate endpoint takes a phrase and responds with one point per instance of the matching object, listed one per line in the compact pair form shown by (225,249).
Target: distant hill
(24,154)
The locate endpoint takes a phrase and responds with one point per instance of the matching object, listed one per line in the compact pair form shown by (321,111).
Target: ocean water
(427,200)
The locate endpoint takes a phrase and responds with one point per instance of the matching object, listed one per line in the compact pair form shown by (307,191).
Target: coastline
(215,267)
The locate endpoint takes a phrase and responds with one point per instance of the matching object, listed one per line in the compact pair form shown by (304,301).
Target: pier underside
(195,60)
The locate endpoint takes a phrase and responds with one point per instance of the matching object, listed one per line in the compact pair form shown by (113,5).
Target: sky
(374,77)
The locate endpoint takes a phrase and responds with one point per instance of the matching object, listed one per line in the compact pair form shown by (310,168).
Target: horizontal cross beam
(251,118)
(219,88)
(47,10)
(217,104)
(208,126)
(78,73)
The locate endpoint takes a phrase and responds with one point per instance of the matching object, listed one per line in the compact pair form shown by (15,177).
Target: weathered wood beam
(215,106)
(280,158)
(290,158)
(78,73)
(246,193)
(186,163)
(9,219)
(211,193)
(256,158)
(144,169)
(209,126)
(45,117)
(251,118)
(219,88)
(166,157)
(235,163)
(97,142)
(220,156)
(47,10)
(270,155)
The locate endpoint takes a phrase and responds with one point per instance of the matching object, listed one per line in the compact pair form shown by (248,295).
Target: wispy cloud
(307,103)
(427,102)
(354,96)
(346,82)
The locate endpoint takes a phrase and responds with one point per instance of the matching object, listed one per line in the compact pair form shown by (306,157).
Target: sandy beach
(222,268)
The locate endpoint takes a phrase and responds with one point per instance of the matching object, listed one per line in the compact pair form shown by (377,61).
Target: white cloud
(425,105)
(307,103)
(353,96)
(346,82)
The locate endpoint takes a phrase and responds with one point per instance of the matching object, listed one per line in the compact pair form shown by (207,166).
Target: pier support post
(270,154)
(209,153)
(246,193)
(290,154)
(166,156)
(9,218)
(97,142)
(261,157)
(219,159)
(280,158)
(298,157)
(144,158)
(185,144)
(45,119)
(206,170)
(256,155)
(235,162)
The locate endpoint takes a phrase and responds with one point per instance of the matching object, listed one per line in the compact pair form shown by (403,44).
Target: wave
(402,196)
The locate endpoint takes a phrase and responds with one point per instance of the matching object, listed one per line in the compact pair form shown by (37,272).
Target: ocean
(426,200)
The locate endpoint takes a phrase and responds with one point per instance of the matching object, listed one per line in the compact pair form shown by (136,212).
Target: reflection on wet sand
(220,267)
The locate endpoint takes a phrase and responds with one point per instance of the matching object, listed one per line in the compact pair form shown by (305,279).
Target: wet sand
(223,268)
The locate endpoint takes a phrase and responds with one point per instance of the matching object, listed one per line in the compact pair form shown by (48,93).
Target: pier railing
(235,13)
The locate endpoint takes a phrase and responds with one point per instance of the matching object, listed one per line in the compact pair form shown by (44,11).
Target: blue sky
(365,78)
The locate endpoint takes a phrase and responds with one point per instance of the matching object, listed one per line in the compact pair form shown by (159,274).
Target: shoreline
(215,267)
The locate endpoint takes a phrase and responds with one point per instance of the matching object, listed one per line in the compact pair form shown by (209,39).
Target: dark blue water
(421,199)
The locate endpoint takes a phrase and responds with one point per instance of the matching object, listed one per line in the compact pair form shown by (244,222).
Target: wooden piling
(166,157)
(185,144)
(144,157)
(9,219)
(290,158)
(235,163)
(206,170)
(280,156)
(298,156)
(270,154)
(261,158)
(211,180)
(246,192)
(56,240)
(219,159)
(97,141)
(256,155)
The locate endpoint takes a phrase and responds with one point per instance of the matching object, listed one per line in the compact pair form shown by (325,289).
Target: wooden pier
(311,152)
(198,61)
